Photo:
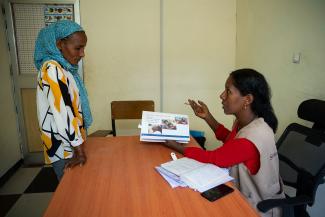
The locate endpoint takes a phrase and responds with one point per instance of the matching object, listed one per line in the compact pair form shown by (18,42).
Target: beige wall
(268,34)
(199,52)
(9,141)
(122,54)
(124,59)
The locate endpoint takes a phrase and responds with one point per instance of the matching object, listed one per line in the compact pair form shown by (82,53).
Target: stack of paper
(196,175)
(159,127)
(171,178)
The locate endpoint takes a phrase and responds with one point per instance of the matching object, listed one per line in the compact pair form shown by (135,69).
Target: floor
(27,192)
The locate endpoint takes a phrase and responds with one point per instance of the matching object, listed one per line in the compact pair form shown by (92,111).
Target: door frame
(27,80)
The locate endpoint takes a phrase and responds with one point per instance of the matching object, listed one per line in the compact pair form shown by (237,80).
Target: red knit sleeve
(231,153)
(221,133)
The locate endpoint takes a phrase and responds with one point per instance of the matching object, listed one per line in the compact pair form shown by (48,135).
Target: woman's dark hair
(249,81)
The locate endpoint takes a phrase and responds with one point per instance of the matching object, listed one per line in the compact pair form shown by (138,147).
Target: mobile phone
(217,192)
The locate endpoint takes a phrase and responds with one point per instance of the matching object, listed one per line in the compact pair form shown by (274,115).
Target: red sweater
(232,152)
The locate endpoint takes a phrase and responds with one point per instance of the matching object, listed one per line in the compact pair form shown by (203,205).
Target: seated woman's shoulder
(259,127)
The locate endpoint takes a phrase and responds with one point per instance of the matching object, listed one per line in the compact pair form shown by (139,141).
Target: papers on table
(159,127)
(188,172)
(171,178)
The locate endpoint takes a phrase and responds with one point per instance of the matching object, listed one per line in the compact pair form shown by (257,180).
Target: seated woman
(249,148)
(62,104)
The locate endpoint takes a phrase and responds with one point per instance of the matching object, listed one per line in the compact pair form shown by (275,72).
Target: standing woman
(62,103)
(249,147)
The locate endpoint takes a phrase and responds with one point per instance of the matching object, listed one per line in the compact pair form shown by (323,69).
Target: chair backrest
(302,163)
(313,110)
(129,110)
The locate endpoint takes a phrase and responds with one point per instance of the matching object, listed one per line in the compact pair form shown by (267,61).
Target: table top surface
(119,179)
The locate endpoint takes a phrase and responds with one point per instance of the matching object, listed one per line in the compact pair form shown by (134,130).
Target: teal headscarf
(46,49)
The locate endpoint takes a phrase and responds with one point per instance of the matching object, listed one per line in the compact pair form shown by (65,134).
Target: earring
(245,106)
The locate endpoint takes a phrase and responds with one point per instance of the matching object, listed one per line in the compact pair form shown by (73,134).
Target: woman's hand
(79,158)
(175,146)
(200,109)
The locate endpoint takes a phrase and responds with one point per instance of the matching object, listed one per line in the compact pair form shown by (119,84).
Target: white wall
(9,140)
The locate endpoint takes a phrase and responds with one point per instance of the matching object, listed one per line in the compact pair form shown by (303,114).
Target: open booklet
(196,175)
(159,127)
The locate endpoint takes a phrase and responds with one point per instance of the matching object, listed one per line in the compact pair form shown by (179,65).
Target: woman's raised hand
(200,109)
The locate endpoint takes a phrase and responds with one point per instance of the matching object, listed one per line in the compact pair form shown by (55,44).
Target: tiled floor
(27,192)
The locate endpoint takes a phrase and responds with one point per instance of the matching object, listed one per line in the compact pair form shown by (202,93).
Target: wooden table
(119,179)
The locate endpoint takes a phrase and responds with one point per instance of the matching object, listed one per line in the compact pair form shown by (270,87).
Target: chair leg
(113,127)
(300,211)
(288,211)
